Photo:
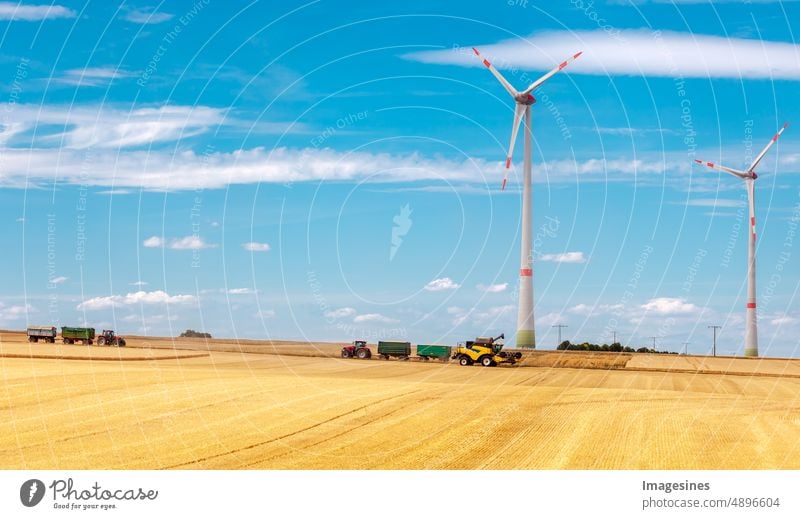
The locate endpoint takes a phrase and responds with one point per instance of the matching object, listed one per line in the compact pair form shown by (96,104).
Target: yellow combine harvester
(486,351)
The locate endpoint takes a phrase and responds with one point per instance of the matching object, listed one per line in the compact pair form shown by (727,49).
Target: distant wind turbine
(749,176)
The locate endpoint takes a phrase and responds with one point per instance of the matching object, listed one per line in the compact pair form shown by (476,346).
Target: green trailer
(71,335)
(388,349)
(433,351)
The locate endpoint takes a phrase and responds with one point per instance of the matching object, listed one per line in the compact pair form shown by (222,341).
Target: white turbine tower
(526,337)
(749,176)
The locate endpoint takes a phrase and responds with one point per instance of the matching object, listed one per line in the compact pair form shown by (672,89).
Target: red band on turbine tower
(526,272)
(753,221)
(751,305)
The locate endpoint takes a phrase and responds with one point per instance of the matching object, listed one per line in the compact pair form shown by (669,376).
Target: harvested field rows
(241,410)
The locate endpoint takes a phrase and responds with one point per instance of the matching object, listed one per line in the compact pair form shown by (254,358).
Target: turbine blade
(497,74)
(551,73)
(734,172)
(766,149)
(519,111)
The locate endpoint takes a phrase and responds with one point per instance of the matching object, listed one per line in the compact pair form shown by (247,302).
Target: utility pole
(559,326)
(714,348)
(654,337)
(614,333)
(685,348)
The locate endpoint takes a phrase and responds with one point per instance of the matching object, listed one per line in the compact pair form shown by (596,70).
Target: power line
(559,326)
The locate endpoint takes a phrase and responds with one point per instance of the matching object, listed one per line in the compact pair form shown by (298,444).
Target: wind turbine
(749,176)
(526,337)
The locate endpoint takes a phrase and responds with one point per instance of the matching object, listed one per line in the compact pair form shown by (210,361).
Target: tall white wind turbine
(749,176)
(526,337)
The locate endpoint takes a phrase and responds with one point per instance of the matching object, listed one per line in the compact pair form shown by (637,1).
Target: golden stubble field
(152,406)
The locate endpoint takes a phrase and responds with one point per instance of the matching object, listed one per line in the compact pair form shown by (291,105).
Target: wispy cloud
(500,287)
(254,246)
(636,52)
(92,76)
(373,318)
(134,298)
(340,313)
(146,17)
(58,280)
(19,11)
(715,202)
(564,257)
(241,291)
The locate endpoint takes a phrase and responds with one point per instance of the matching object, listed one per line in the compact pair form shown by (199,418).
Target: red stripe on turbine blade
(710,164)
(576,55)
(526,272)
(562,65)
(476,51)
(753,221)
(786,125)
(751,305)
(486,62)
(754,236)
(504,185)
(698,161)
(776,137)
(508,162)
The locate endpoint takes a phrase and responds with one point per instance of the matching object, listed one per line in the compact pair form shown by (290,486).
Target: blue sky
(327,170)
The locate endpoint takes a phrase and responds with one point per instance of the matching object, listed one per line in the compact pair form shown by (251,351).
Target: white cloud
(241,291)
(637,52)
(19,11)
(266,314)
(477,316)
(108,126)
(134,298)
(548,319)
(500,287)
(564,257)
(783,319)
(440,284)
(192,242)
(715,202)
(255,246)
(145,17)
(92,76)
(153,242)
(669,306)
(341,312)
(139,283)
(584,309)
(373,318)
(58,280)
(14,311)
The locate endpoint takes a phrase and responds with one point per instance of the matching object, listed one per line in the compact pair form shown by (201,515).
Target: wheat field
(151,406)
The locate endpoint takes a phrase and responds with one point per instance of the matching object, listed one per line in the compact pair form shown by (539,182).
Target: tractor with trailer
(42,333)
(71,335)
(109,338)
(486,351)
(358,349)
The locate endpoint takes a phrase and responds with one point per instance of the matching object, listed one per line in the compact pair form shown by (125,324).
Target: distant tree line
(192,333)
(616,347)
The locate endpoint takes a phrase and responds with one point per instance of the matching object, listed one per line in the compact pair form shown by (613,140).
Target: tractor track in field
(339,434)
(288,435)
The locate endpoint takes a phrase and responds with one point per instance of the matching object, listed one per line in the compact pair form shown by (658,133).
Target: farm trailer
(72,335)
(42,333)
(388,349)
(433,351)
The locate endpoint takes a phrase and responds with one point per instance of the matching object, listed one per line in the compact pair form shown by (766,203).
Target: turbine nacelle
(524,99)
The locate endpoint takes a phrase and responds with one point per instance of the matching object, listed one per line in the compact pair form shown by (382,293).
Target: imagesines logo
(31,492)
